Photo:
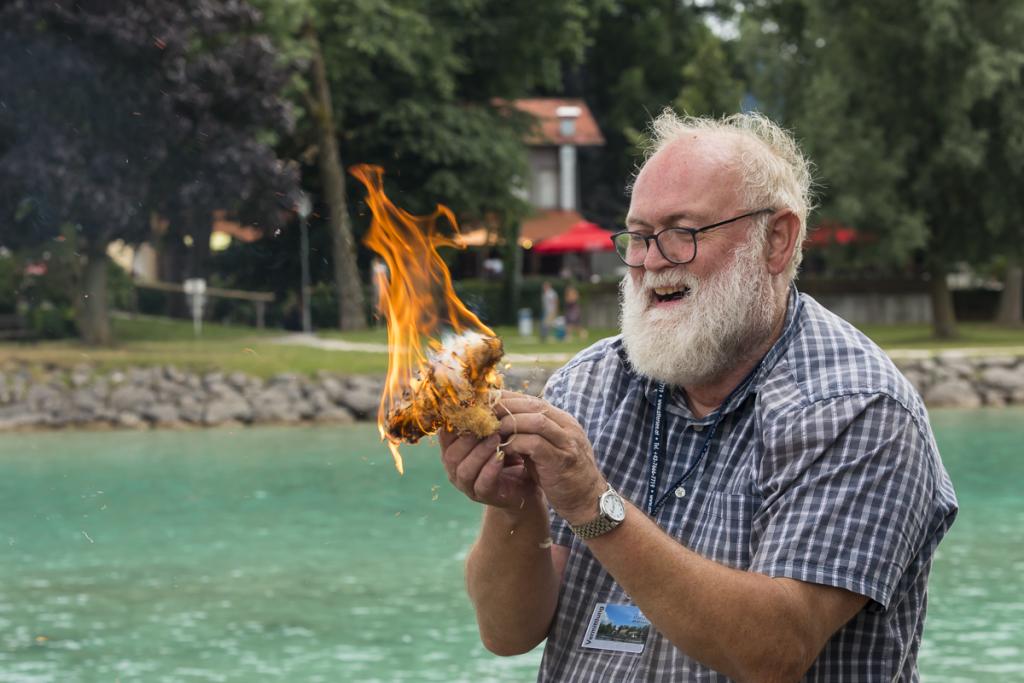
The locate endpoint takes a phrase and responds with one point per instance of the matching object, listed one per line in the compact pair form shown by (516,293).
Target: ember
(441,358)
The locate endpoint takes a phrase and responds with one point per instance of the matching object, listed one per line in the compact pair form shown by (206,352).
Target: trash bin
(525,322)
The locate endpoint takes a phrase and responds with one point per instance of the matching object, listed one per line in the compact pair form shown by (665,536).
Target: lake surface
(300,555)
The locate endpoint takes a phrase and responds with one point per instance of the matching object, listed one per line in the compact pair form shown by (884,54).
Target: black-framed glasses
(677,245)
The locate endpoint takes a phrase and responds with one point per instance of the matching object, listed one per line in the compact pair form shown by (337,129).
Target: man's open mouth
(663,294)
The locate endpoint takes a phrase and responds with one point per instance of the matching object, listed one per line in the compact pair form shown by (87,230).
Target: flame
(417,300)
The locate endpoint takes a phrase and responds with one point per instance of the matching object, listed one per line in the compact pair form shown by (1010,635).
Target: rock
(225,408)
(80,375)
(18,417)
(1003,378)
(335,415)
(129,421)
(162,414)
(142,376)
(47,399)
(334,388)
(87,401)
(173,374)
(190,409)
(998,361)
(239,380)
(993,398)
(320,401)
(168,391)
(952,394)
(130,398)
(275,404)
(362,395)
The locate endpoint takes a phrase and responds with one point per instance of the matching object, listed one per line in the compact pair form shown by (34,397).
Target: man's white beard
(721,322)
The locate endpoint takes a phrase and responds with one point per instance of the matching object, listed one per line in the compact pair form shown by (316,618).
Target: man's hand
(486,473)
(556,451)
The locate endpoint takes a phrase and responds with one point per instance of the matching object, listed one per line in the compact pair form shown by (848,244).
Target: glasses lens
(676,245)
(630,248)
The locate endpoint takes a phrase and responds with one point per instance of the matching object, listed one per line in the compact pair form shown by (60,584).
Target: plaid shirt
(823,469)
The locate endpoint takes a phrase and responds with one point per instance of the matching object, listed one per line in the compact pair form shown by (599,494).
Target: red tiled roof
(548,223)
(548,132)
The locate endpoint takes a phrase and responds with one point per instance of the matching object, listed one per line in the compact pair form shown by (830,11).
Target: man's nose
(654,260)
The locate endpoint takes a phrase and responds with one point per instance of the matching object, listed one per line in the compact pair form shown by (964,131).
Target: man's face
(688,324)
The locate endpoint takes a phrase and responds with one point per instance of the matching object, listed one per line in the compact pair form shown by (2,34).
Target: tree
(116,110)
(418,88)
(912,112)
(645,55)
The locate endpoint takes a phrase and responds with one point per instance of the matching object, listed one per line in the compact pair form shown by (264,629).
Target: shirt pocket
(722,532)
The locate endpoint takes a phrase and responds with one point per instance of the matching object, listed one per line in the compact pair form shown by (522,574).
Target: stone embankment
(960,380)
(138,398)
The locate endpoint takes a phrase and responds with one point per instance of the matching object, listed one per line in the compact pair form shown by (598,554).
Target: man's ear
(783,235)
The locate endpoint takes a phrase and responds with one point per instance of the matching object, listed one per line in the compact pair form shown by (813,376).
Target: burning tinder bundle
(442,360)
(457,392)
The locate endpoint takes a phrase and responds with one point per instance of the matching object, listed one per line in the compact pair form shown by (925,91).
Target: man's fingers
(512,426)
(485,486)
(467,471)
(516,404)
(456,451)
(446,437)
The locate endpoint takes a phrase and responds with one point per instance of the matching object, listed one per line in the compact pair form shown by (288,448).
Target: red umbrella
(583,236)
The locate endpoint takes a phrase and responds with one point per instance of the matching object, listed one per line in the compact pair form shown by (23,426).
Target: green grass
(920,336)
(158,341)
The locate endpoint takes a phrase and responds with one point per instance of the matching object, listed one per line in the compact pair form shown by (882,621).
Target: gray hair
(775,172)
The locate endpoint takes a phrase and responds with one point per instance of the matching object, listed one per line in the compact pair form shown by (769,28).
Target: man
(742,486)
(548,309)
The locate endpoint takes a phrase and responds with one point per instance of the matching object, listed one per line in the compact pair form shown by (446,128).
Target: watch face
(611,505)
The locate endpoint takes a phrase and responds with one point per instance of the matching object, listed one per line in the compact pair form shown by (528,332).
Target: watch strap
(598,526)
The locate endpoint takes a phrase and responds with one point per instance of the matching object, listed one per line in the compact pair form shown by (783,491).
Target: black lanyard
(653,503)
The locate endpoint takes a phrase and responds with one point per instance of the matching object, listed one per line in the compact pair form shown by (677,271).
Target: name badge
(617,628)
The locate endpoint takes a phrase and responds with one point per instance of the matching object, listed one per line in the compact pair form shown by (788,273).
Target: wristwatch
(611,512)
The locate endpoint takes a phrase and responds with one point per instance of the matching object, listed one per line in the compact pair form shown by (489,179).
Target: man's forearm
(745,625)
(511,578)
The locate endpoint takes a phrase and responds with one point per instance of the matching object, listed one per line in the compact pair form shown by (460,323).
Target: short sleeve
(554,393)
(849,486)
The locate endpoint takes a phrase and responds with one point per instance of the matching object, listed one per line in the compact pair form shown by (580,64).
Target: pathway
(312,341)
(298,339)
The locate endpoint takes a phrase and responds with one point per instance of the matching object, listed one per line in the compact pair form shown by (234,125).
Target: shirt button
(698,428)
(680,492)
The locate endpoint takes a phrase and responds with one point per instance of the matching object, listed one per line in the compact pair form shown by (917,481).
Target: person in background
(548,310)
(493,266)
(573,314)
(739,487)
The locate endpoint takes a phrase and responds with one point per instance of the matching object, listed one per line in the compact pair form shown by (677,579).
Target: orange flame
(417,297)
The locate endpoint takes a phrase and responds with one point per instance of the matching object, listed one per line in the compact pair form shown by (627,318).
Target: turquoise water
(300,555)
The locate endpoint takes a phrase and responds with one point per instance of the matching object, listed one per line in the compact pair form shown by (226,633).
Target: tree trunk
(943,316)
(351,304)
(513,270)
(1011,303)
(91,310)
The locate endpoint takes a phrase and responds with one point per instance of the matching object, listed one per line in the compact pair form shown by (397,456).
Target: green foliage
(10,282)
(47,321)
(646,55)
(415,88)
(912,112)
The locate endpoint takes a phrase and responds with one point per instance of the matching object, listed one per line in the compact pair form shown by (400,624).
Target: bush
(10,282)
(47,321)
